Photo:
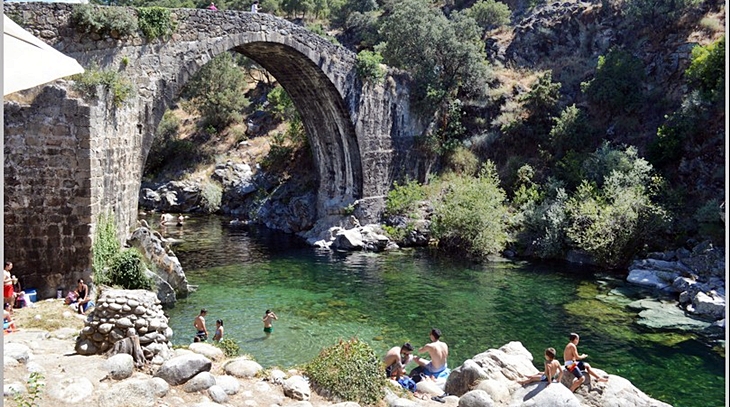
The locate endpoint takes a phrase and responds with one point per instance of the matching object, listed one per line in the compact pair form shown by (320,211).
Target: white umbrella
(29,62)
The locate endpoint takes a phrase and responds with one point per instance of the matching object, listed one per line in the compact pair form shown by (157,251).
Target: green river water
(389,298)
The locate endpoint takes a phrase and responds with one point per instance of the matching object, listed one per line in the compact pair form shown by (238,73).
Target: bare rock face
(121,314)
(170,272)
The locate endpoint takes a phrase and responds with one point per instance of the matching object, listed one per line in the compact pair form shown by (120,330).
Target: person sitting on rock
(8,323)
(396,360)
(552,370)
(83,298)
(436,368)
(575,365)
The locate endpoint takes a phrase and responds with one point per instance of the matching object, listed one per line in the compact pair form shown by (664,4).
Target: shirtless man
(574,364)
(396,360)
(439,352)
(269,316)
(199,324)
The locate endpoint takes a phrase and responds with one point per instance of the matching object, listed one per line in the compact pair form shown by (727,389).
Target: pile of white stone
(125,313)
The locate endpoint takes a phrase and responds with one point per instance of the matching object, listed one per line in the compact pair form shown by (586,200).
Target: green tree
(612,214)
(470,214)
(657,14)
(218,91)
(489,14)
(617,83)
(706,72)
(443,56)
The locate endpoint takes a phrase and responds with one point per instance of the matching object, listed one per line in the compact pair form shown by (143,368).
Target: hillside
(546,91)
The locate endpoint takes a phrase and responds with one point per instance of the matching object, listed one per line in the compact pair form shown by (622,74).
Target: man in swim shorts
(269,316)
(199,324)
(553,370)
(396,360)
(439,352)
(575,365)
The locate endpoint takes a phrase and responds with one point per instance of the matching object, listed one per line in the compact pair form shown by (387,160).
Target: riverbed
(386,299)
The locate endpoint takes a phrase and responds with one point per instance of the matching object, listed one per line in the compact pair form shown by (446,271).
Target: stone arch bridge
(68,160)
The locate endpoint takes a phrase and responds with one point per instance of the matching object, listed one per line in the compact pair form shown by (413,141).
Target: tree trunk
(129,345)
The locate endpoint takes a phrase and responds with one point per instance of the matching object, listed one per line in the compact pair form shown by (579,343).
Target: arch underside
(326,120)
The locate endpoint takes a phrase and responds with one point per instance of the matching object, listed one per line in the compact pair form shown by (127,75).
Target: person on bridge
(212,6)
(255,7)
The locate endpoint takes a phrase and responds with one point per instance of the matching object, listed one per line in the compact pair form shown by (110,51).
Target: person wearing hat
(199,324)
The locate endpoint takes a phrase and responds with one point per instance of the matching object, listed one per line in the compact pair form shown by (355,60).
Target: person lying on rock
(553,370)
(575,365)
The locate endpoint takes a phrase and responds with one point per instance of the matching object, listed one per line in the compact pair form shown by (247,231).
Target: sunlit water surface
(386,299)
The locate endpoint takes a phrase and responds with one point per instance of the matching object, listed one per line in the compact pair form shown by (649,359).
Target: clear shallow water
(386,299)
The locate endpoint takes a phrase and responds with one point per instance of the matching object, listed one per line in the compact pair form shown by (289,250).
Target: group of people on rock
(201,333)
(398,357)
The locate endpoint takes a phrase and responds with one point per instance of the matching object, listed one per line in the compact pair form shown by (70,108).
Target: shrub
(462,161)
(155,22)
(617,83)
(612,215)
(368,66)
(403,199)
(212,193)
(657,14)
(113,82)
(570,130)
(489,13)
(105,246)
(706,72)
(218,90)
(229,347)
(350,371)
(545,225)
(470,214)
(114,21)
(127,270)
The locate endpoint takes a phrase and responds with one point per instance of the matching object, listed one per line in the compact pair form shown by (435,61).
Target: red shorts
(8,291)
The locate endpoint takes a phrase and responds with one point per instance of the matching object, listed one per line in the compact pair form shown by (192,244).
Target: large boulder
(120,366)
(129,393)
(710,306)
(180,369)
(543,395)
(476,398)
(209,351)
(242,367)
(70,390)
(297,388)
(201,381)
(166,263)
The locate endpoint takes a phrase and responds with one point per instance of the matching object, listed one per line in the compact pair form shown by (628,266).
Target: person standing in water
(218,330)
(269,316)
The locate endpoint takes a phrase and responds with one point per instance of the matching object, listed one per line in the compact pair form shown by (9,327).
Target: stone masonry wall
(66,162)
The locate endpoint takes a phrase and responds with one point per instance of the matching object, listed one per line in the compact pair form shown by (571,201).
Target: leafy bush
(470,214)
(155,22)
(612,215)
(617,83)
(489,13)
(349,371)
(105,245)
(570,131)
(462,161)
(113,82)
(114,21)
(218,90)
(127,270)
(706,72)
(281,104)
(368,66)
(657,14)
(229,347)
(403,199)
(545,225)
(212,193)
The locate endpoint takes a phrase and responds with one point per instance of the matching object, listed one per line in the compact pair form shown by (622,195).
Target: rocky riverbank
(202,376)
(691,287)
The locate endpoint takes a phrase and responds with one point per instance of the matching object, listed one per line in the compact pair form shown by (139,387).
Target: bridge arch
(361,135)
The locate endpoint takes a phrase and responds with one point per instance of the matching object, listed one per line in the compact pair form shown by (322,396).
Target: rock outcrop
(168,275)
(697,276)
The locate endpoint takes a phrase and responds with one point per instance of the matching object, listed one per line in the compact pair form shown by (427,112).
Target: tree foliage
(470,214)
(489,13)
(218,91)
(444,56)
(617,83)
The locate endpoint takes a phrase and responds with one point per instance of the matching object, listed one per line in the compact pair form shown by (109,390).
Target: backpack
(407,383)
